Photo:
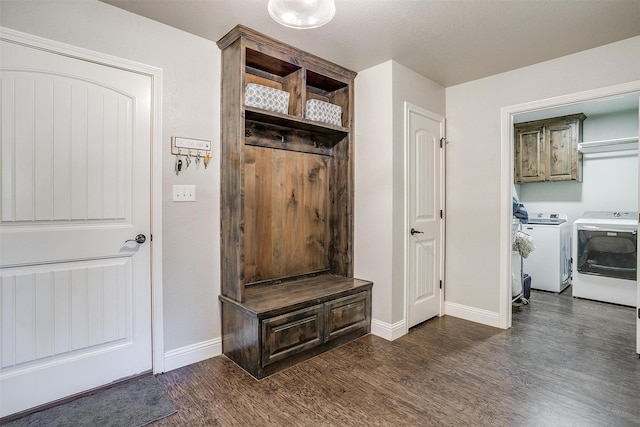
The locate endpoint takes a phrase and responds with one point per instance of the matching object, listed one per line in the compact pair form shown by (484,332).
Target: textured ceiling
(449,42)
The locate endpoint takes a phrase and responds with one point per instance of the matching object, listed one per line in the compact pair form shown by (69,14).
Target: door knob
(414,231)
(140,239)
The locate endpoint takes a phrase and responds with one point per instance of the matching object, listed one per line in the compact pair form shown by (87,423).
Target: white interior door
(75,185)
(425,235)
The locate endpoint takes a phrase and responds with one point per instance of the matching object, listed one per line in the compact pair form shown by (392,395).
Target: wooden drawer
(292,333)
(347,314)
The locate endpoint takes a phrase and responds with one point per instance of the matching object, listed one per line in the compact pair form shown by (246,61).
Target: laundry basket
(515,227)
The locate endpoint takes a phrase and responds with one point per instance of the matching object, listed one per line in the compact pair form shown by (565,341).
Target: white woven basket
(323,112)
(266,98)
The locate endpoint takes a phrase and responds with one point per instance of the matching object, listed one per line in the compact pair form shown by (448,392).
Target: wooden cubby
(287,288)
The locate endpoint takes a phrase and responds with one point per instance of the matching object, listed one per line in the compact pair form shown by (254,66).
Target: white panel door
(425,226)
(75,185)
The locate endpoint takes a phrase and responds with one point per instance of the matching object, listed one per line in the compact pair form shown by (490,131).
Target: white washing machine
(549,265)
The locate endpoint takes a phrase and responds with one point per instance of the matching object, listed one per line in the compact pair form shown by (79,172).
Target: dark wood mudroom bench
(287,290)
(288,322)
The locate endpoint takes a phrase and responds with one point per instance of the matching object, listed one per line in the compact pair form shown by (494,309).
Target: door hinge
(442,141)
(440,284)
(639,313)
(440,213)
(151,237)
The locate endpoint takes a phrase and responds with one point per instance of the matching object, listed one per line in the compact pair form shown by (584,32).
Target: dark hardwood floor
(565,362)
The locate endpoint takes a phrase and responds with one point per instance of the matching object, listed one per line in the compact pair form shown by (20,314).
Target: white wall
(190,108)
(474,158)
(379,183)
(373,188)
(610,180)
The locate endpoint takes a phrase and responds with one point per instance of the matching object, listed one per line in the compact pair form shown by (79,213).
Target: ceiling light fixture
(302,14)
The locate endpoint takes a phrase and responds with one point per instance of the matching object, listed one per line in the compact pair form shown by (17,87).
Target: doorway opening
(594,102)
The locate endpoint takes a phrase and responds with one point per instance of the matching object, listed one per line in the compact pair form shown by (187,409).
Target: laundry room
(576,177)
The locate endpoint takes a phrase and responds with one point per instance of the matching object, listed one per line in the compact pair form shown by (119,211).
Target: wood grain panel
(532,148)
(347,314)
(258,232)
(341,97)
(315,221)
(285,213)
(279,198)
(267,60)
(562,137)
(290,255)
(559,152)
(240,335)
(231,174)
(341,209)
(292,333)
(293,84)
(252,78)
(251,225)
(284,138)
(277,298)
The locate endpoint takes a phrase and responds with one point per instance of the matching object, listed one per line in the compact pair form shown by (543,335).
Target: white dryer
(605,254)
(549,265)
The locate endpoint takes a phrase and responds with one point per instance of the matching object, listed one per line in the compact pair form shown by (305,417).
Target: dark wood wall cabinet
(287,286)
(547,150)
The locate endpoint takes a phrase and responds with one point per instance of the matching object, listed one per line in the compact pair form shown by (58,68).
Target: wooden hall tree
(287,288)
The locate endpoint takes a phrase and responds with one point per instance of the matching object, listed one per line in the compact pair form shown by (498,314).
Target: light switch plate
(184,193)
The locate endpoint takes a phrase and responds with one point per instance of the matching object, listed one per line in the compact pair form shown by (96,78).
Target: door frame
(506,172)
(408,108)
(29,40)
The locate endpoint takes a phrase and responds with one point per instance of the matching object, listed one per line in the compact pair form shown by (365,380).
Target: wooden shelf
(609,145)
(286,120)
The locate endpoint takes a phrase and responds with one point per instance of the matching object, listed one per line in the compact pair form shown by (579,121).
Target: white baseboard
(486,317)
(174,359)
(388,331)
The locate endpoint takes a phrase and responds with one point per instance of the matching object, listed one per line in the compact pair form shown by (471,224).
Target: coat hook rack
(198,148)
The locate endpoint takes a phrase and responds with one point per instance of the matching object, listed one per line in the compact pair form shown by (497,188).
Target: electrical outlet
(184,193)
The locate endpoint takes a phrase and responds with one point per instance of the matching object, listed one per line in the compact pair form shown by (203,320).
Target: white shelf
(608,145)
